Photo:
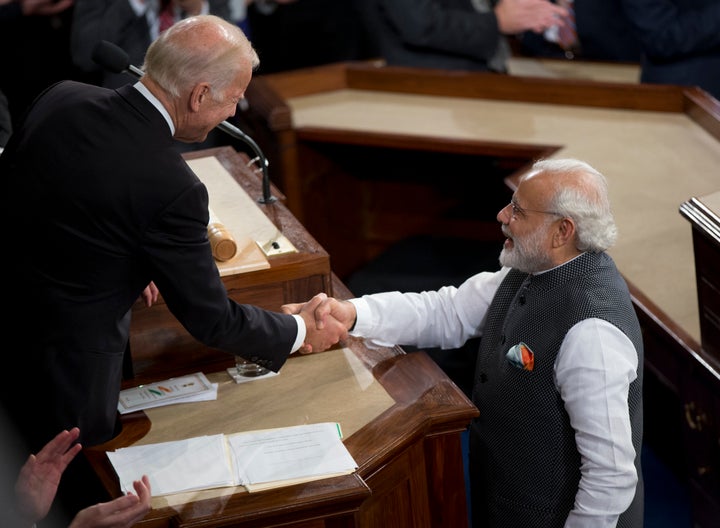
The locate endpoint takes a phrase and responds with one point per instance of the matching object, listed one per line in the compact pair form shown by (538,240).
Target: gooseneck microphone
(115,59)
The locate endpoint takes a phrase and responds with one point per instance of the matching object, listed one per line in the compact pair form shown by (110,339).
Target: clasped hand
(327,321)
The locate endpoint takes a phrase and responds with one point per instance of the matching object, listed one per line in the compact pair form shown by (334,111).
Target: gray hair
(586,202)
(177,60)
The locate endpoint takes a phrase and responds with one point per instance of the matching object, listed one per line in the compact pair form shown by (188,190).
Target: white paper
(289,453)
(173,467)
(255,459)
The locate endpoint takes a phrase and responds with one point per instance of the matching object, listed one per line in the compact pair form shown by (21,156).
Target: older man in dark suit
(105,206)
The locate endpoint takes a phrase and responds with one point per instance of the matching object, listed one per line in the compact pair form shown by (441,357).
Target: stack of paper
(195,387)
(256,459)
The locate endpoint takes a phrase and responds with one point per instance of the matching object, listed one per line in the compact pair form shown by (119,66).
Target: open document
(255,459)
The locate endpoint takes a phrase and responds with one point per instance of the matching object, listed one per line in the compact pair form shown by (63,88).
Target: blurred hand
(122,512)
(37,483)
(150,294)
(517,16)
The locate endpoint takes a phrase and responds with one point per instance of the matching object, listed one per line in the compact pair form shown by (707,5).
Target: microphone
(115,59)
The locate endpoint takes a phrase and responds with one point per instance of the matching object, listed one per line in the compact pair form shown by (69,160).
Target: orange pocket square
(521,356)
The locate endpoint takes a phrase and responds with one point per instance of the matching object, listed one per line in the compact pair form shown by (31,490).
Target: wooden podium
(401,416)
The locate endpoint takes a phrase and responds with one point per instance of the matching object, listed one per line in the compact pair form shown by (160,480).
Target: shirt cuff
(362,317)
(302,332)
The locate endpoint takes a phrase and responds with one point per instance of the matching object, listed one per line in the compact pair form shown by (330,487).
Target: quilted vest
(524,461)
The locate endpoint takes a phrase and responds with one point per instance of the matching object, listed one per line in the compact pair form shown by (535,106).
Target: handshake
(327,321)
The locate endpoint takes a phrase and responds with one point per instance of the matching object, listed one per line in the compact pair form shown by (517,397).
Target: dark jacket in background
(35,54)
(307,33)
(116,22)
(445,34)
(680,41)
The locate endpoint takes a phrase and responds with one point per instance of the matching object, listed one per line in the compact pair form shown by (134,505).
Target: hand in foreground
(122,512)
(327,321)
(37,483)
(150,294)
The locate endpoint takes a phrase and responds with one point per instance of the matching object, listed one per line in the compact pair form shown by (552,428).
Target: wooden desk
(328,128)
(401,416)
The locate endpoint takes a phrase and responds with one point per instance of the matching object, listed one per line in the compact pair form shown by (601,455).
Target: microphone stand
(233,131)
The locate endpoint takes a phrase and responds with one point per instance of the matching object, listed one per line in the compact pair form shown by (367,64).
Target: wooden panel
(400,495)
(515,88)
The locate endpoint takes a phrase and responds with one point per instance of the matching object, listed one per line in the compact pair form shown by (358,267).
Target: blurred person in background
(35,39)
(602,33)
(132,25)
(454,34)
(319,32)
(680,41)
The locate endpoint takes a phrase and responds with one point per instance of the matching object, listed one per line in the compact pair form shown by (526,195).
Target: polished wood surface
(401,416)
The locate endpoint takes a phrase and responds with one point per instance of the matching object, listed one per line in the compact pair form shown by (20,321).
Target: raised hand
(150,294)
(38,481)
(122,512)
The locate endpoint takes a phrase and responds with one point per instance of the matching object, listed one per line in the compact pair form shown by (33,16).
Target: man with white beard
(558,377)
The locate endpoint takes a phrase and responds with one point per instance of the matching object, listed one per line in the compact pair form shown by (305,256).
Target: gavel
(222,242)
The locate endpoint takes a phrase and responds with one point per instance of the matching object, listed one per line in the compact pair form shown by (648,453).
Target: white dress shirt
(593,371)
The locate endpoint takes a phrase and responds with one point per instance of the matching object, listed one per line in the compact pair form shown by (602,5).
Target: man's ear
(565,232)
(199,94)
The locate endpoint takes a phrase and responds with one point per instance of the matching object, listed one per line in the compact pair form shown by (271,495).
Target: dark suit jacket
(98,203)
(116,22)
(680,41)
(446,34)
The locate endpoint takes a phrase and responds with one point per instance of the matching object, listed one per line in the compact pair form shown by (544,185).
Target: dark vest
(523,453)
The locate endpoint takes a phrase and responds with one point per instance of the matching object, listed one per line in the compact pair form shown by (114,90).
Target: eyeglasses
(519,212)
